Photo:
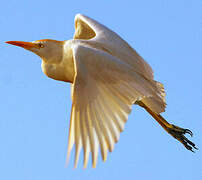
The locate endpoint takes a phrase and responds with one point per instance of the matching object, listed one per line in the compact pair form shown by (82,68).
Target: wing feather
(107,106)
(71,138)
(103,92)
(92,136)
(77,134)
(84,137)
(87,28)
(108,121)
(102,138)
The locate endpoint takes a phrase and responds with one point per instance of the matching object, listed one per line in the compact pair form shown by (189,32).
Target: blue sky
(35,110)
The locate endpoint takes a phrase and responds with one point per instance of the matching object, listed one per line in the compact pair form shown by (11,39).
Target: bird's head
(51,51)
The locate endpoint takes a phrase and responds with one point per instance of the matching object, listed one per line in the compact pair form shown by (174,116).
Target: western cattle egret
(108,77)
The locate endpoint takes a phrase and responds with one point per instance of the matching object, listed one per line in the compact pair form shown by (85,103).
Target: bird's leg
(175,131)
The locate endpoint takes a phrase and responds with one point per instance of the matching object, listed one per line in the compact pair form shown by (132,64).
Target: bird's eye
(41,45)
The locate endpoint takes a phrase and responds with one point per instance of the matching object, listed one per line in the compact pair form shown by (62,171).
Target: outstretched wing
(98,34)
(104,90)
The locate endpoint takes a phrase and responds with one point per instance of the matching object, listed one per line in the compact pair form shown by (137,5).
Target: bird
(107,77)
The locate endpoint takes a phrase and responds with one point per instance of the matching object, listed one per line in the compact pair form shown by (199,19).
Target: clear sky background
(35,110)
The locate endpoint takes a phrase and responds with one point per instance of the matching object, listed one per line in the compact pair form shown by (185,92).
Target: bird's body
(108,77)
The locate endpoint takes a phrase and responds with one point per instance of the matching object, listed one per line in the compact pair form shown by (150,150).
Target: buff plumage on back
(110,78)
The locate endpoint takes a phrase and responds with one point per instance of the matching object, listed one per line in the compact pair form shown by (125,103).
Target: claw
(188,144)
(188,132)
(178,133)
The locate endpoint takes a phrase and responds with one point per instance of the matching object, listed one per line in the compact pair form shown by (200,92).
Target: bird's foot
(178,133)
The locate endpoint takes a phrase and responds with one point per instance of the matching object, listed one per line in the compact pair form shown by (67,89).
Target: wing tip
(77,16)
(94,165)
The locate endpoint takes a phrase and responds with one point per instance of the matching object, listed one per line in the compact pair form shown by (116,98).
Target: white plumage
(107,77)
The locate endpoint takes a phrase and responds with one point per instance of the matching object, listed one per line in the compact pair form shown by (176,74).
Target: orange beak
(26,45)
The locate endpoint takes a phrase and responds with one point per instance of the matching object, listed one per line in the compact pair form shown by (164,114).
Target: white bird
(108,77)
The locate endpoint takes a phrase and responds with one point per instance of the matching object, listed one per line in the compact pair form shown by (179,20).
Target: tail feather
(156,103)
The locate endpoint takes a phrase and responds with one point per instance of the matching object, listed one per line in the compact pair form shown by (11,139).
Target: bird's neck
(62,69)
